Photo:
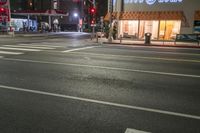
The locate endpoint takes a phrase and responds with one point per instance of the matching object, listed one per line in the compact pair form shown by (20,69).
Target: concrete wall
(188,6)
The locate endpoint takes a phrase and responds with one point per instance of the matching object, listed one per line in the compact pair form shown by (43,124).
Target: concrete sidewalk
(27,34)
(105,40)
(153,43)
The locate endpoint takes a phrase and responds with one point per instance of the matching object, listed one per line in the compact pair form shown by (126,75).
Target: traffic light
(92,21)
(3,11)
(92,10)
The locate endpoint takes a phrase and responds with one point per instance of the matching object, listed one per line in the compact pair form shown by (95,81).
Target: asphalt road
(65,83)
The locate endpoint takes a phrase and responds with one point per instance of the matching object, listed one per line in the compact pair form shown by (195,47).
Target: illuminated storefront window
(160,30)
(169,29)
(129,28)
(148,27)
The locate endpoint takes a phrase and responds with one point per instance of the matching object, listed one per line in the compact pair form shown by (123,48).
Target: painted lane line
(104,67)
(174,53)
(39,45)
(103,102)
(20,49)
(153,51)
(12,53)
(129,130)
(31,47)
(157,47)
(71,50)
(138,57)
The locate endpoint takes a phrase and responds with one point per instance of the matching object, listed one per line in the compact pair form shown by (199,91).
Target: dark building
(38,13)
(31,4)
(83,10)
(70,14)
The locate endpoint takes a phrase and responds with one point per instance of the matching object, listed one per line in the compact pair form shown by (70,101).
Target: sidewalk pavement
(153,43)
(27,34)
(105,40)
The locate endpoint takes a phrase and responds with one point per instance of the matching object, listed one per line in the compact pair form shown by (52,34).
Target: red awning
(40,12)
(148,15)
(151,15)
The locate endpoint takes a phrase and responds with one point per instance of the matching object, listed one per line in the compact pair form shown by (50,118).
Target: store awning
(197,15)
(148,15)
(39,12)
(114,16)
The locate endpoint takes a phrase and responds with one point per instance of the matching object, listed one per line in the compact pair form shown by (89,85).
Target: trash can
(148,38)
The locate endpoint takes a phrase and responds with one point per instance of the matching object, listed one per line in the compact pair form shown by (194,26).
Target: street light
(75,15)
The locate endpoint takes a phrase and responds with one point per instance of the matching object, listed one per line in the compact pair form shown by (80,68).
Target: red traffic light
(2,9)
(92,22)
(92,10)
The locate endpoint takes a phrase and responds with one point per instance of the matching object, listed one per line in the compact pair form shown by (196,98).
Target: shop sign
(151,2)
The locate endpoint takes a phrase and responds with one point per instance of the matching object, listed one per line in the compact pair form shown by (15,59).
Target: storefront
(160,29)
(22,24)
(50,17)
(162,18)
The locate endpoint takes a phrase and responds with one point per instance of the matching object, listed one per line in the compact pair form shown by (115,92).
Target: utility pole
(9,18)
(110,10)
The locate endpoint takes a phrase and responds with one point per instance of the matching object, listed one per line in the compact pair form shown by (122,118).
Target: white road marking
(20,49)
(104,67)
(129,130)
(103,102)
(157,47)
(31,47)
(153,51)
(38,45)
(71,50)
(137,57)
(174,53)
(12,53)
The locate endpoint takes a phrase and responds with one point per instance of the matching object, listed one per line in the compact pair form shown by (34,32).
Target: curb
(153,45)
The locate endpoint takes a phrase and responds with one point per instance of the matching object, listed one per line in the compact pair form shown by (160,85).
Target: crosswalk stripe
(37,45)
(34,47)
(12,53)
(20,49)
(129,130)
(77,49)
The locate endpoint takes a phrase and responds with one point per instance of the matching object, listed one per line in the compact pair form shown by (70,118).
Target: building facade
(34,14)
(163,18)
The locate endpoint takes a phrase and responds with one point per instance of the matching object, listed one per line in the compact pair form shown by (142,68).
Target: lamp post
(76,16)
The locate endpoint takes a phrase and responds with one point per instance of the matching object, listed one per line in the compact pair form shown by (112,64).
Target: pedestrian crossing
(20,49)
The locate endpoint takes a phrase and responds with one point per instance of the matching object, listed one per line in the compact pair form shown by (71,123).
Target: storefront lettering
(151,2)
